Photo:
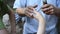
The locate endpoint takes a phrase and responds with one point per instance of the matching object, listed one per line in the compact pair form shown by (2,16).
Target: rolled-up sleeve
(16,4)
(19,3)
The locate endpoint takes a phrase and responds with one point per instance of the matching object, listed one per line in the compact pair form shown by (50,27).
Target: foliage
(3,8)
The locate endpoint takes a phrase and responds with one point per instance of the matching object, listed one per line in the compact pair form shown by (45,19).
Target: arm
(19,7)
(40,18)
(41,28)
(51,10)
(20,11)
(25,11)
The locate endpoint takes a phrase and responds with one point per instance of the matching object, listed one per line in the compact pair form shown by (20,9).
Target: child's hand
(37,15)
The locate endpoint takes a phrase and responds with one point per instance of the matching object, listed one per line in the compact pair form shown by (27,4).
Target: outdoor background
(19,25)
(7,22)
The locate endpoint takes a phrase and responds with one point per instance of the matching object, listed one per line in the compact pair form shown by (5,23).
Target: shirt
(31,25)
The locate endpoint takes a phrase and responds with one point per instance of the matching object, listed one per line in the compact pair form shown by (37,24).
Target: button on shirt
(31,25)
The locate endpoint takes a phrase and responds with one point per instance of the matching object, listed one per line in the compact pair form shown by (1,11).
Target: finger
(45,6)
(31,7)
(49,12)
(35,12)
(28,10)
(47,9)
(52,12)
(29,14)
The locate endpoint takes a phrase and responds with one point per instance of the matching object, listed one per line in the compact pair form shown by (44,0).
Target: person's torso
(31,25)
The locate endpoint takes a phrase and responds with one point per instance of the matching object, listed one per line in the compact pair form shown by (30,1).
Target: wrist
(21,12)
(24,11)
(56,12)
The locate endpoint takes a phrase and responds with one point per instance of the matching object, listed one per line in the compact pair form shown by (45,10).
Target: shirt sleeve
(19,3)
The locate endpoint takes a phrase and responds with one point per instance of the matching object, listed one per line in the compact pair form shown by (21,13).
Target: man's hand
(28,11)
(49,9)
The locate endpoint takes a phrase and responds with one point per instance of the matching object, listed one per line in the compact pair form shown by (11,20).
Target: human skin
(26,11)
(38,16)
(51,10)
(41,20)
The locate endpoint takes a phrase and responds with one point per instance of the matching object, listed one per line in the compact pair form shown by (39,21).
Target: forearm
(20,11)
(41,28)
